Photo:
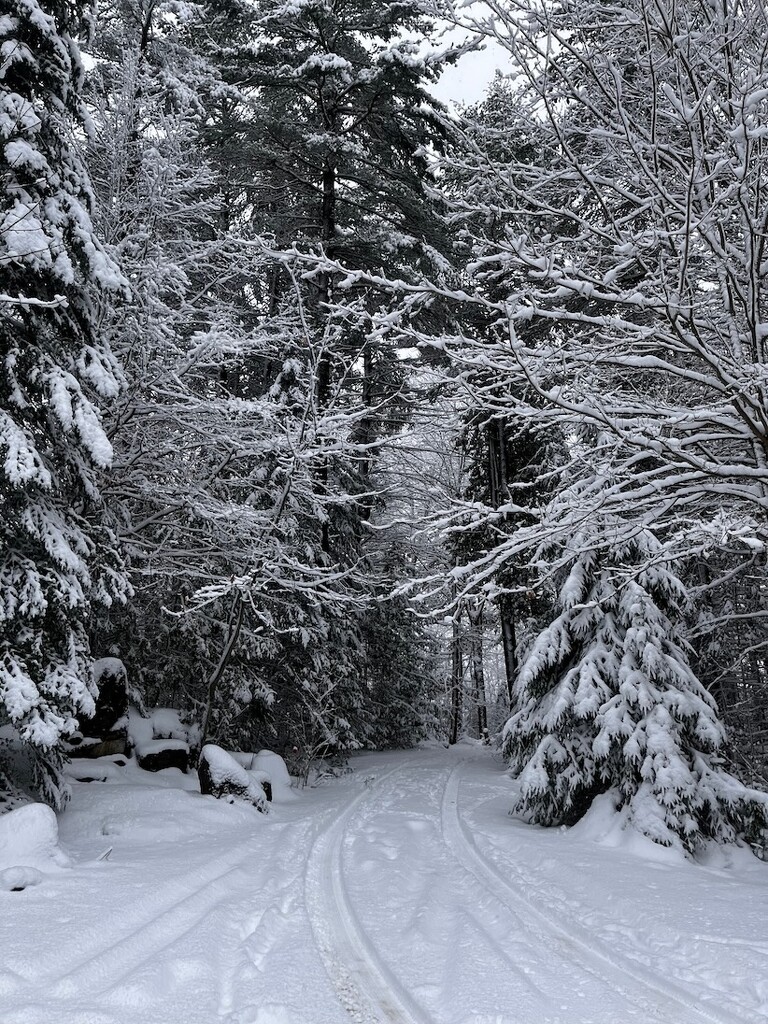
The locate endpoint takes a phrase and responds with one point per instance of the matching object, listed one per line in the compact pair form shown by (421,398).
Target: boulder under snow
(221,776)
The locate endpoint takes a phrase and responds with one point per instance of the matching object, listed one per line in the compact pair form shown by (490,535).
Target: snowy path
(649,996)
(401,894)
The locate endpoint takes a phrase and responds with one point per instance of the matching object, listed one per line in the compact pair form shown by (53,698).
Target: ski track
(371,986)
(196,894)
(370,991)
(367,989)
(639,985)
(583,970)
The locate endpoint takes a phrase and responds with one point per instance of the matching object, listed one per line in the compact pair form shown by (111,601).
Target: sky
(467,81)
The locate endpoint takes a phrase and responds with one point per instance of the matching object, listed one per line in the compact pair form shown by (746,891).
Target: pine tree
(325,125)
(333,125)
(58,557)
(607,702)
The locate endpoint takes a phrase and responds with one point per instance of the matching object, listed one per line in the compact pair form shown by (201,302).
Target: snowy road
(400,894)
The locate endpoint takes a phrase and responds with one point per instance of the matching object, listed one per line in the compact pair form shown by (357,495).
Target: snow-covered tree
(325,121)
(58,557)
(633,247)
(607,701)
(615,292)
(212,490)
(345,124)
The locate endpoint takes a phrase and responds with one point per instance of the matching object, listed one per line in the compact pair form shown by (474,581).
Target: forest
(346,418)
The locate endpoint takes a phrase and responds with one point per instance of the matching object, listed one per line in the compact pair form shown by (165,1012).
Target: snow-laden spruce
(607,701)
(56,554)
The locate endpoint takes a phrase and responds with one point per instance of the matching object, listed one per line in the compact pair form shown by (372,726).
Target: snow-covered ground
(402,893)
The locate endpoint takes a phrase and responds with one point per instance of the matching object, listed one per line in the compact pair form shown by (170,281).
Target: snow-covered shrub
(221,776)
(607,701)
(29,772)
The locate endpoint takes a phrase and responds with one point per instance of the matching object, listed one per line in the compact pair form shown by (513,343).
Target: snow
(167,722)
(228,780)
(29,846)
(275,767)
(266,763)
(402,892)
(24,239)
(22,463)
(158,723)
(222,766)
(19,153)
(108,667)
(158,746)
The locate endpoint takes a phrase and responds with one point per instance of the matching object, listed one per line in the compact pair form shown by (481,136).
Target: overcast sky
(467,80)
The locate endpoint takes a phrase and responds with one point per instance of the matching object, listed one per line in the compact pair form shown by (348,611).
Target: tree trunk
(457,678)
(499,489)
(323,385)
(508,642)
(475,616)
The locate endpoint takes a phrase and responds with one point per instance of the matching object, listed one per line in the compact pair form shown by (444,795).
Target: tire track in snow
(197,893)
(366,988)
(636,982)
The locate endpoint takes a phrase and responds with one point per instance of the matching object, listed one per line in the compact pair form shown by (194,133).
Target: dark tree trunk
(508,642)
(323,385)
(235,624)
(457,679)
(498,486)
(475,617)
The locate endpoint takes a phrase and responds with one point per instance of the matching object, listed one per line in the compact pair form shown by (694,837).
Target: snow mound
(275,767)
(160,723)
(267,763)
(166,722)
(19,878)
(223,767)
(605,825)
(96,769)
(29,845)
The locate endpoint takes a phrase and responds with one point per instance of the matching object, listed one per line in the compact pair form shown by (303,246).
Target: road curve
(401,901)
(640,985)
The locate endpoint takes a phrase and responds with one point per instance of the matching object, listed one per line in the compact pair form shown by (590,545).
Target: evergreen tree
(607,702)
(324,124)
(57,557)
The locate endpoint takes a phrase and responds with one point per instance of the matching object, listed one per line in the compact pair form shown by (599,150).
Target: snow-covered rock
(271,763)
(155,755)
(162,739)
(261,779)
(161,723)
(167,724)
(29,846)
(266,763)
(221,776)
